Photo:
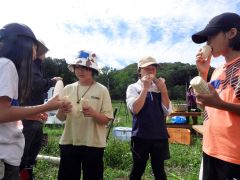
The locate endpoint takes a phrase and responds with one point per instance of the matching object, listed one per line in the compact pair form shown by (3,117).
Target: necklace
(78,99)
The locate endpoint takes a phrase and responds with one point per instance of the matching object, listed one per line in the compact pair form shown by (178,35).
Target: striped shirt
(222,128)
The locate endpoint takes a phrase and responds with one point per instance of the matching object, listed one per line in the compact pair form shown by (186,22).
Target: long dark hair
(19,49)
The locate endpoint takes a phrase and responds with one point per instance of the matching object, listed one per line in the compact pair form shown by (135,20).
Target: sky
(120,32)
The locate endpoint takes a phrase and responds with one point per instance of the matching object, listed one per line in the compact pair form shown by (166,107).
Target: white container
(58,89)
(52,119)
(122,133)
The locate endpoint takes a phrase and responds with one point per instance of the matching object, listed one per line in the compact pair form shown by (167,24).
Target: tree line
(177,76)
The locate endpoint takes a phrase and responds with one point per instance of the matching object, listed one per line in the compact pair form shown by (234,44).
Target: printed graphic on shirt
(14,102)
(232,79)
(95,97)
(227,83)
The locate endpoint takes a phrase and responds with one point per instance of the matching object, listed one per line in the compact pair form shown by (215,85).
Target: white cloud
(66,26)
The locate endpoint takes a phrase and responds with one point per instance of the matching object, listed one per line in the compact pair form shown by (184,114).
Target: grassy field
(183,164)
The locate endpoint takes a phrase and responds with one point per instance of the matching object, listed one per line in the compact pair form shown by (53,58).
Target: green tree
(57,67)
(177,76)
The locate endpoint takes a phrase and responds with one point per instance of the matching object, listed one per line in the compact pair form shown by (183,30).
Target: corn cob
(84,103)
(199,85)
(206,51)
(58,89)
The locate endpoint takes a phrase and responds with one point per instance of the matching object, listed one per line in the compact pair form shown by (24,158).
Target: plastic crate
(122,133)
(179,135)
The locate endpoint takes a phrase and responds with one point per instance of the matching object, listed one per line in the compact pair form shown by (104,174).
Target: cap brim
(42,49)
(203,35)
(148,64)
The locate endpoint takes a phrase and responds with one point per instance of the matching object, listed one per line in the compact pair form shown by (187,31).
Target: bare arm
(100,117)
(10,113)
(213,100)
(203,65)
(63,110)
(232,107)
(140,100)
(61,115)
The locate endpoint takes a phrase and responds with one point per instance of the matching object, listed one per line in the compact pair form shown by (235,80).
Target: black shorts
(214,168)
(159,148)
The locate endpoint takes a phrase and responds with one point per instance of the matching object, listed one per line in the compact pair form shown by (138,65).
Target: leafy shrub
(118,155)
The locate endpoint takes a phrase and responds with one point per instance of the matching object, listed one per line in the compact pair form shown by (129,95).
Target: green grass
(183,164)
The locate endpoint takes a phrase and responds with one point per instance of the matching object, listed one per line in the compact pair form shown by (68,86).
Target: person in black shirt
(33,126)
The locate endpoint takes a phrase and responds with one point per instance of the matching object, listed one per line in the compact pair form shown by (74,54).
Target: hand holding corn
(199,85)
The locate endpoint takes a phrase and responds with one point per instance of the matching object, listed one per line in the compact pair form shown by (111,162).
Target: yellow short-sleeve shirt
(81,130)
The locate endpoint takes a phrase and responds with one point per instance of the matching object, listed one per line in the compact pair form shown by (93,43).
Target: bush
(118,155)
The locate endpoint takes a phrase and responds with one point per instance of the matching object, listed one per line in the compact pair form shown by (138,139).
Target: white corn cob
(206,51)
(84,103)
(58,89)
(199,85)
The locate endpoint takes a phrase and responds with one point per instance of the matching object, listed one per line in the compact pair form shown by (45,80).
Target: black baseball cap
(17,29)
(217,24)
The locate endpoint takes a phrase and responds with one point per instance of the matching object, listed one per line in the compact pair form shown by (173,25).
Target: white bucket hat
(85,58)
